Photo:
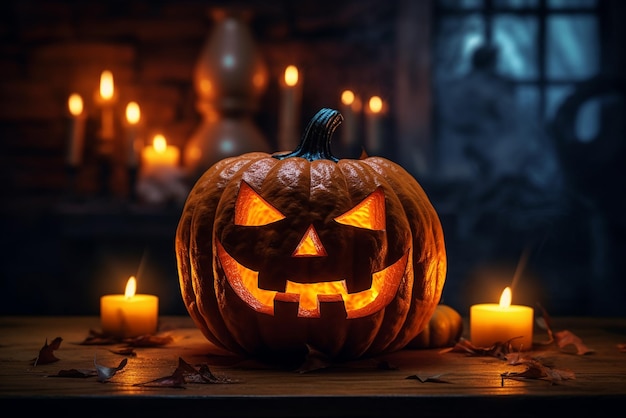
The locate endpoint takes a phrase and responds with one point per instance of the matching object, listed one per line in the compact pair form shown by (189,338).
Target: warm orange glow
(369,214)
(347,97)
(131,287)
(245,284)
(133,114)
(310,245)
(252,210)
(106,85)
(309,293)
(259,80)
(384,288)
(291,75)
(75,104)
(159,143)
(375,104)
(505,299)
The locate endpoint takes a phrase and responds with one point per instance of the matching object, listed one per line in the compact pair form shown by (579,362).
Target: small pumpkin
(280,253)
(444,329)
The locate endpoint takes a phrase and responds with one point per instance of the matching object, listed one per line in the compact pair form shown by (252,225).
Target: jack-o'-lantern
(282,253)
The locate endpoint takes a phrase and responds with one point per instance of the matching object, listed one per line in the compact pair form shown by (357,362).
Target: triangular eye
(252,210)
(369,214)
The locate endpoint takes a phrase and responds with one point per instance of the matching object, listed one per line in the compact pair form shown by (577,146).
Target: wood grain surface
(462,385)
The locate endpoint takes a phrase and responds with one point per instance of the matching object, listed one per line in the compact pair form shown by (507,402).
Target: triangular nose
(310,245)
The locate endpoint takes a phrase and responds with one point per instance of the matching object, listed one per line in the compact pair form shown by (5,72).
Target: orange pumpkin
(281,253)
(444,329)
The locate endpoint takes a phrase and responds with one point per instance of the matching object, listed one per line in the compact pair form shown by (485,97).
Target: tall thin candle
(133,147)
(373,117)
(291,93)
(350,108)
(77,130)
(106,100)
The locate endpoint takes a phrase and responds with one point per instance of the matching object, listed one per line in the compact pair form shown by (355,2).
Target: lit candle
(159,159)
(491,323)
(76,131)
(373,133)
(106,99)
(133,146)
(350,107)
(129,315)
(291,93)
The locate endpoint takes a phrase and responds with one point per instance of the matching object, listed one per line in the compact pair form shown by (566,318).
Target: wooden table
(468,386)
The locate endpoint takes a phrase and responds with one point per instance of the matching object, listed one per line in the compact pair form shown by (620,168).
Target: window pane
(527,98)
(516,38)
(572,51)
(564,4)
(515,4)
(461,4)
(554,98)
(457,39)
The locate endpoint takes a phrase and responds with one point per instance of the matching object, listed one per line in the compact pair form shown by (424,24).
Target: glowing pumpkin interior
(252,210)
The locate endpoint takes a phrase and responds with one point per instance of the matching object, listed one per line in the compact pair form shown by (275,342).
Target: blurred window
(544,47)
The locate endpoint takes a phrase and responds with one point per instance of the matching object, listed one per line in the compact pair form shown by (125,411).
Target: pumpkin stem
(315,143)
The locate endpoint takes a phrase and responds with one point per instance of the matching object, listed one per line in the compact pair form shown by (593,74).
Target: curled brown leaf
(186,373)
(46,353)
(537,370)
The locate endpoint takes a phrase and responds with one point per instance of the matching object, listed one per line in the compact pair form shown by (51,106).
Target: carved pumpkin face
(301,284)
(277,253)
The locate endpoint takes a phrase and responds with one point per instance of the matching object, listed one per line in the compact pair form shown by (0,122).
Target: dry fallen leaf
(562,338)
(537,370)
(565,338)
(105,373)
(46,353)
(99,338)
(499,350)
(126,351)
(149,341)
(186,373)
(428,379)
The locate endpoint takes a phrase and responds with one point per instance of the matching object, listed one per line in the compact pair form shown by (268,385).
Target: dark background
(562,236)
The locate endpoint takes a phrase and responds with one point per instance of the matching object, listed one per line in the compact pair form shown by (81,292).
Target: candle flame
(159,143)
(75,104)
(106,85)
(291,75)
(375,104)
(505,299)
(131,287)
(133,113)
(347,97)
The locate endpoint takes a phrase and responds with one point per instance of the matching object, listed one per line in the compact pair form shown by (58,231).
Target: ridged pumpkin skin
(444,329)
(312,189)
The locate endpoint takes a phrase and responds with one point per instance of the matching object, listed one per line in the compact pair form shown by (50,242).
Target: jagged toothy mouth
(309,296)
